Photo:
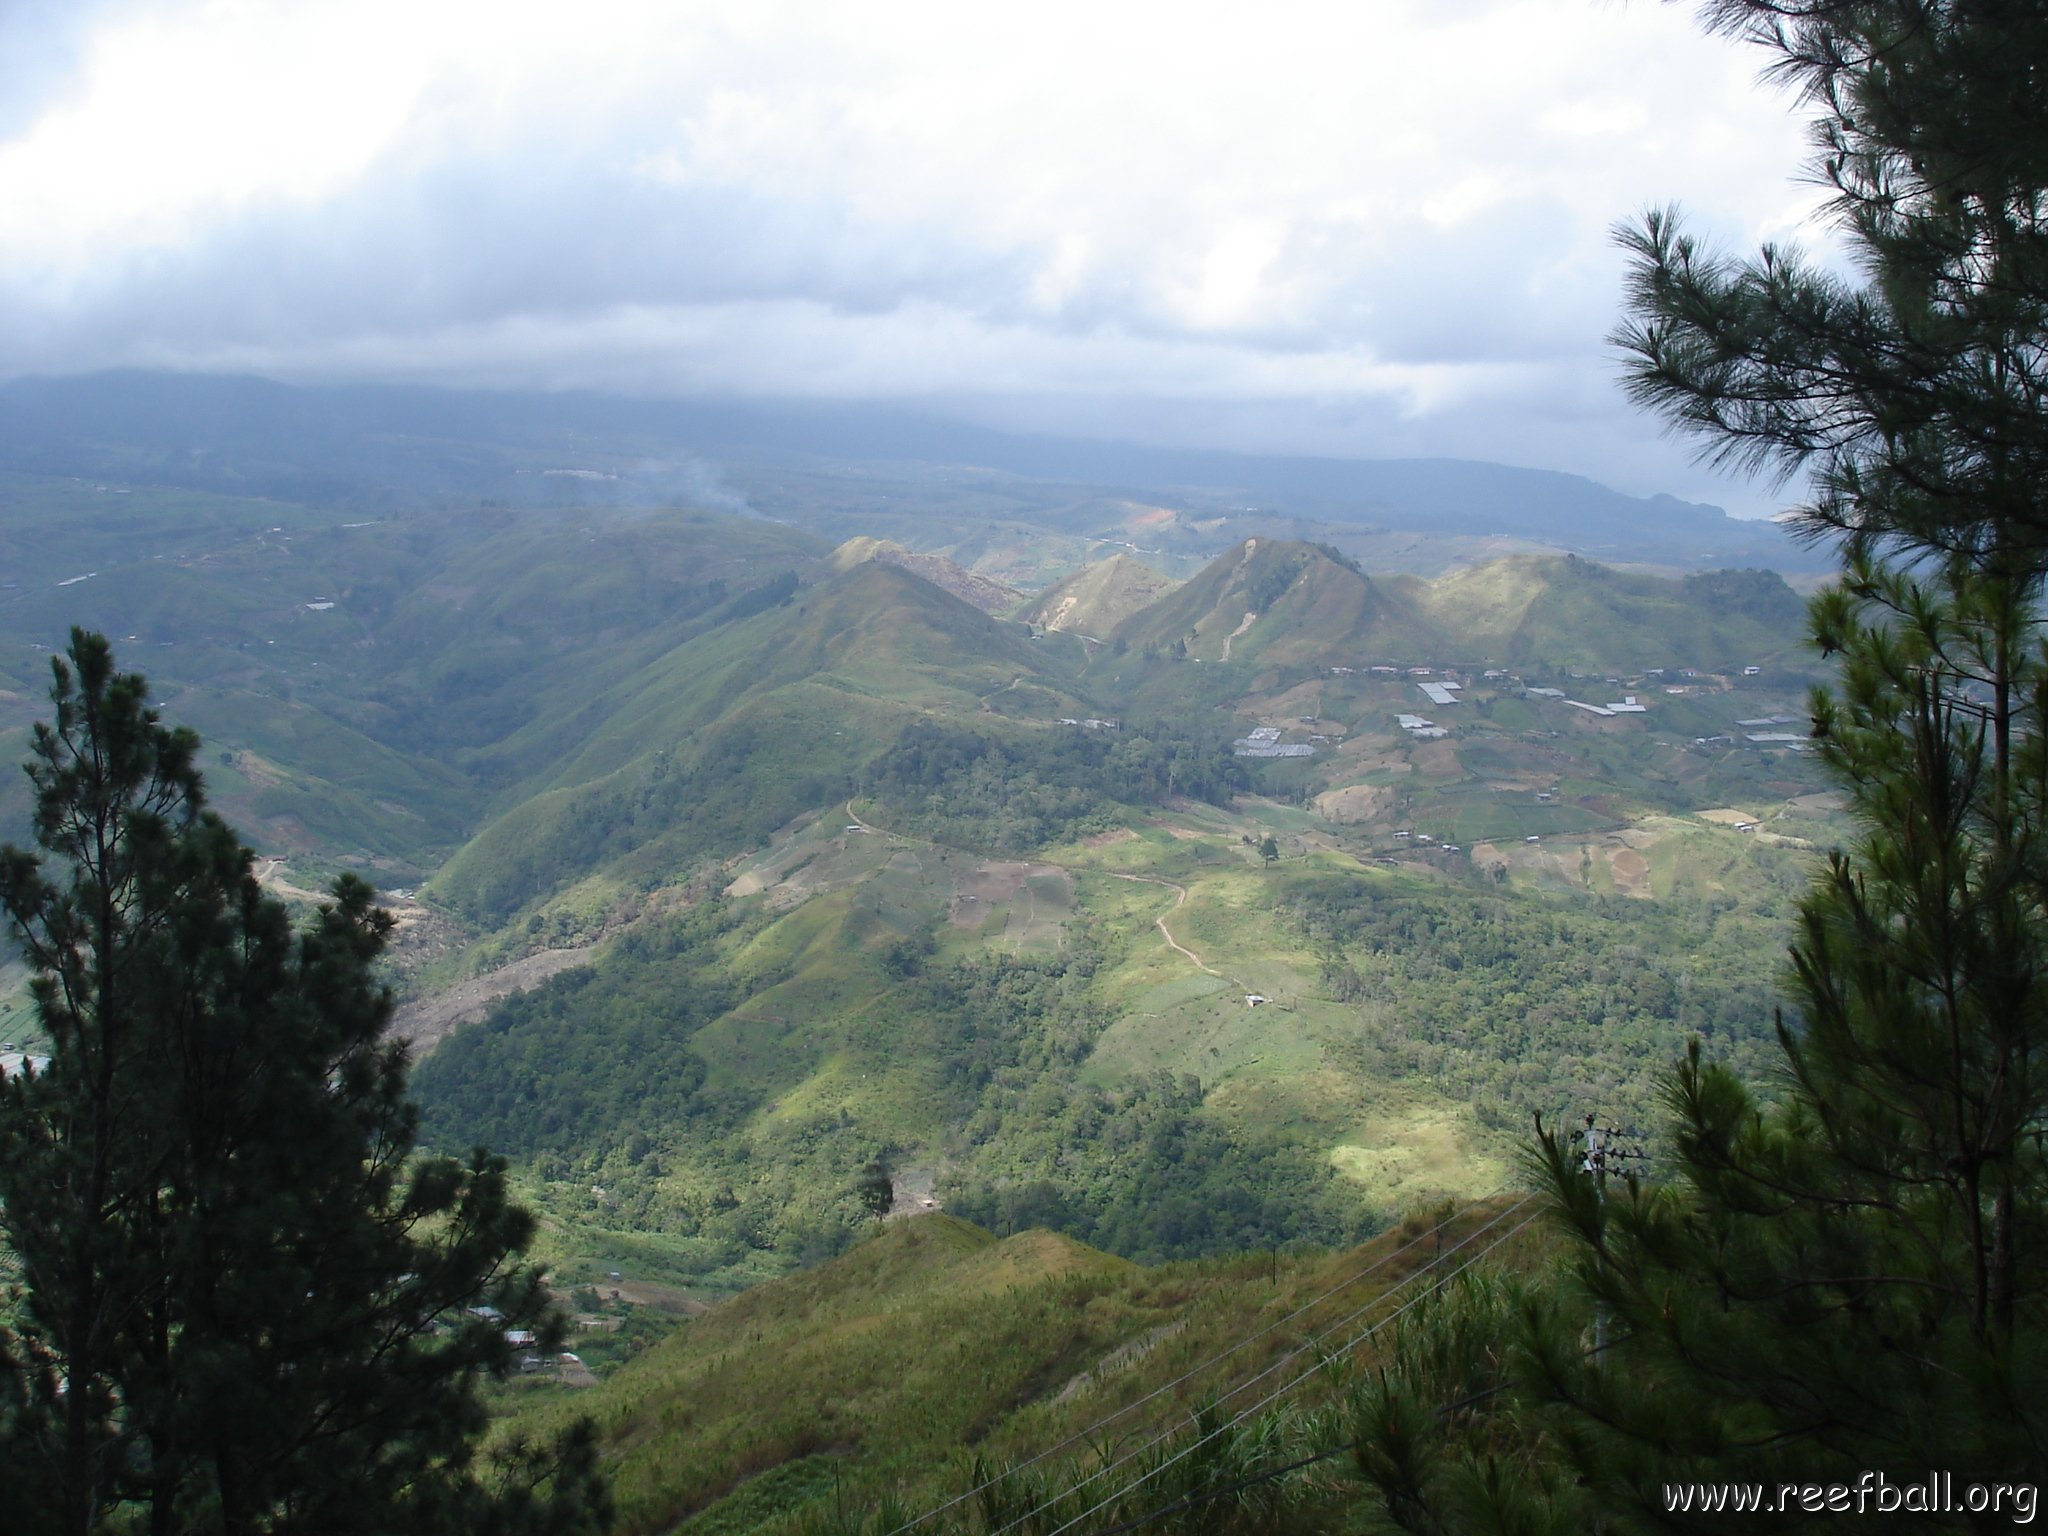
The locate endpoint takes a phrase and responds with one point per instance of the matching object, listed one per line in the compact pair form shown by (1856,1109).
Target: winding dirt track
(1180,894)
(427,1021)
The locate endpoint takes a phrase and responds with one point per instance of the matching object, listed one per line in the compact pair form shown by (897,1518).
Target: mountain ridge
(396,445)
(1093,600)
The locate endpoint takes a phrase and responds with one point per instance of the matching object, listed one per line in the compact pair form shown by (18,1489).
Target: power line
(1277,1392)
(1193,1371)
(1274,1473)
(1238,1487)
(1252,1381)
(1331,1328)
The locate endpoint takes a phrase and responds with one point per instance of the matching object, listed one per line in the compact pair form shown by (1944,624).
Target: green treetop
(248,1307)
(1845,1274)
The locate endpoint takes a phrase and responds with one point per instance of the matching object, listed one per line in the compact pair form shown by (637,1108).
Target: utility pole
(1599,1153)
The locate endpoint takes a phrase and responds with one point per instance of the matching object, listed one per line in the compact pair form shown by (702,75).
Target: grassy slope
(1412,1085)
(766,719)
(1309,610)
(1269,611)
(830,1055)
(659,738)
(1565,612)
(456,661)
(1098,597)
(887,1370)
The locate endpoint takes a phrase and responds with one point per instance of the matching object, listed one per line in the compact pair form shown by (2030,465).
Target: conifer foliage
(247,1305)
(1839,1280)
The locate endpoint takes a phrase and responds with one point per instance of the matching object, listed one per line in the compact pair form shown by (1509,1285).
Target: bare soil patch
(913,1189)
(253,768)
(650,1293)
(1121,1358)
(998,880)
(1631,872)
(1372,751)
(1302,699)
(1726,817)
(1438,760)
(1488,858)
(1826,800)
(993,882)
(275,875)
(1057,619)
(426,1022)
(1356,802)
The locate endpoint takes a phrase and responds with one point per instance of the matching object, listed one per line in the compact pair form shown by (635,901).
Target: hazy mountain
(388,446)
(1098,597)
(947,575)
(1565,612)
(1280,602)
(712,746)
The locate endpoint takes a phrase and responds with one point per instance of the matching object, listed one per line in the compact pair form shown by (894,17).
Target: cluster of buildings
(1444,689)
(13,1061)
(1266,742)
(1446,692)
(1627,706)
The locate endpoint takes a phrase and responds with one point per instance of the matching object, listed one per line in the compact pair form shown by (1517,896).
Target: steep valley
(1244,913)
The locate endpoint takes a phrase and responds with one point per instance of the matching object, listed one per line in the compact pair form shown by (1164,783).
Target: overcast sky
(1358,227)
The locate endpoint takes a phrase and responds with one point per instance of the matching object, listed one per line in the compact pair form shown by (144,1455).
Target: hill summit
(726,737)
(1279,601)
(1098,597)
(945,574)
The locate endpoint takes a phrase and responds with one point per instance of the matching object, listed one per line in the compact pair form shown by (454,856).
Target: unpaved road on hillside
(1180,894)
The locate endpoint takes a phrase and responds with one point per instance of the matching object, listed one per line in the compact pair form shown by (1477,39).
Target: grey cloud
(458,245)
(537,231)
(526,268)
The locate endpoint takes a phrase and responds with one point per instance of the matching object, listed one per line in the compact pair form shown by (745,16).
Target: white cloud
(1312,201)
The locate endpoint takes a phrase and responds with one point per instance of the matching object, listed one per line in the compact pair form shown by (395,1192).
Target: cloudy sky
(1358,227)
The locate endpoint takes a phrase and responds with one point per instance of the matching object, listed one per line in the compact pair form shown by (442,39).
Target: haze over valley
(947,771)
(732,842)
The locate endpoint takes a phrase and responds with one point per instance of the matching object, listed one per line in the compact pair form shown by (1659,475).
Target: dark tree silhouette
(249,1306)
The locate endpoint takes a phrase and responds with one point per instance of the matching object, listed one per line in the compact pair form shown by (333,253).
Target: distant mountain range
(758,846)
(387,447)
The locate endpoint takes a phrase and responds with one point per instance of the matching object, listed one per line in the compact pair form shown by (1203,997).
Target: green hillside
(710,747)
(1278,603)
(806,866)
(1064,1037)
(1566,612)
(722,1076)
(920,913)
(367,685)
(933,1355)
(1098,597)
(1297,607)
(945,574)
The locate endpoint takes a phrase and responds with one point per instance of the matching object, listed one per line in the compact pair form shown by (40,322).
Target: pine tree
(249,1306)
(1844,1273)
